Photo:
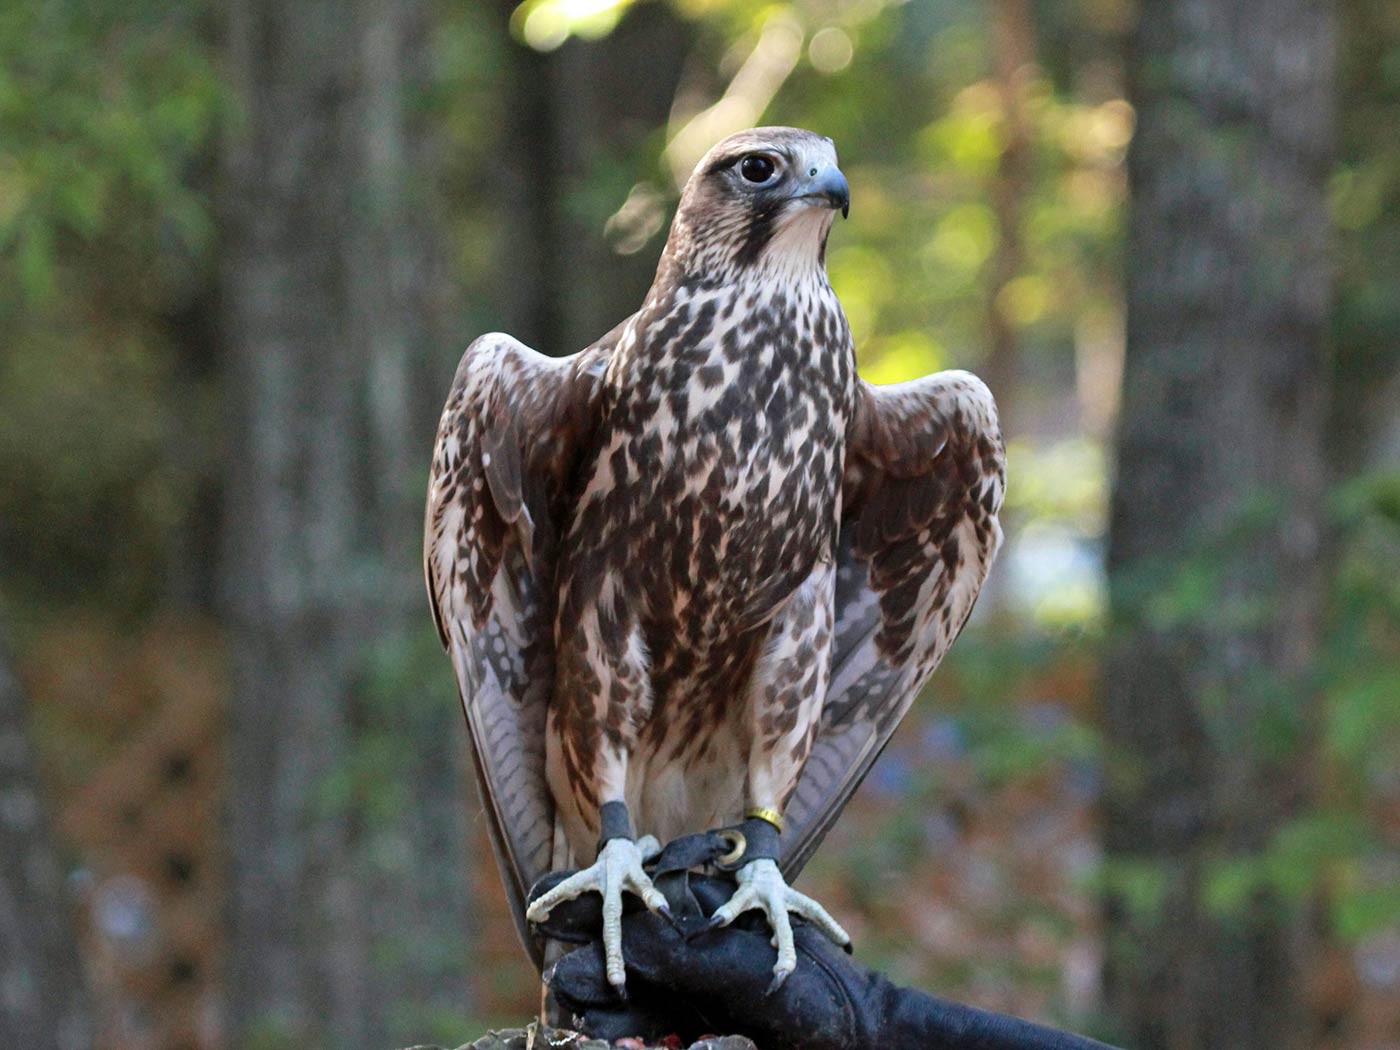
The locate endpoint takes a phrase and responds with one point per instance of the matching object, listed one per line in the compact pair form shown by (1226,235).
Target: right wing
(505,454)
(925,472)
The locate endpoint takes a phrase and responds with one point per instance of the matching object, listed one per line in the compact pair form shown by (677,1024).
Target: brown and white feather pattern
(925,476)
(712,499)
(701,566)
(499,476)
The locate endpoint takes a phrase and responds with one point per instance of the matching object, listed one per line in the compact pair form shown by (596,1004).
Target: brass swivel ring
(737,845)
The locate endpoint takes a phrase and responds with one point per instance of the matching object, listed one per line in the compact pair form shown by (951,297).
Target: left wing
(505,453)
(925,473)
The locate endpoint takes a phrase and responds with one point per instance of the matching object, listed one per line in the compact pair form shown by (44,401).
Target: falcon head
(763,199)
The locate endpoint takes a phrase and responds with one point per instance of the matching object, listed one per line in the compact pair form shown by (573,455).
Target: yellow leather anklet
(772,816)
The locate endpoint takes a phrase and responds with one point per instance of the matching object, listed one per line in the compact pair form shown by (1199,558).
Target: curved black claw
(665,912)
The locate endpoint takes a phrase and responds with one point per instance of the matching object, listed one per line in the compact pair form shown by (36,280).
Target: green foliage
(397,705)
(1303,854)
(106,115)
(1140,887)
(1003,750)
(1336,849)
(1364,907)
(1360,674)
(102,108)
(1365,202)
(923,141)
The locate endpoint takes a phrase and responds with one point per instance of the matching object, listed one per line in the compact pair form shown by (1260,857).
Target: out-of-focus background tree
(1154,792)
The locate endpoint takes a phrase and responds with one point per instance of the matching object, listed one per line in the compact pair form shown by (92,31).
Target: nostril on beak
(831,186)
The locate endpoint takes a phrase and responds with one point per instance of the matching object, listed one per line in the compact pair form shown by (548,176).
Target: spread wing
(925,473)
(505,453)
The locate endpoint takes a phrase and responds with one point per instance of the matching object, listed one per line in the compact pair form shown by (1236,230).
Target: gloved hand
(688,979)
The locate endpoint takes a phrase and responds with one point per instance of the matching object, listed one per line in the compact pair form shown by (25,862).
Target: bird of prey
(694,575)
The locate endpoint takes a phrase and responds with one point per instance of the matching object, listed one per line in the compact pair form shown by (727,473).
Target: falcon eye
(757,167)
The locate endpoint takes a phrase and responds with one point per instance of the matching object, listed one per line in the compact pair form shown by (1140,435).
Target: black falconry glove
(686,978)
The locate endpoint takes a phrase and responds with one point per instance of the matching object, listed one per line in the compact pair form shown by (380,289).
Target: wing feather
(505,454)
(925,473)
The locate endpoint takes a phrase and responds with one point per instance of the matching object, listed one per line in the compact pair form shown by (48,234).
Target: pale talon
(618,868)
(761,885)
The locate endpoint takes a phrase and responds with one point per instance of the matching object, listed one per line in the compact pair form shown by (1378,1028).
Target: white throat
(794,253)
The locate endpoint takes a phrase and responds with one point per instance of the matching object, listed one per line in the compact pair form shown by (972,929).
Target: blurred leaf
(1359,912)
(1140,886)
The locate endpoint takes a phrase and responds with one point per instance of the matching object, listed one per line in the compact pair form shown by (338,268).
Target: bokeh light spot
(831,50)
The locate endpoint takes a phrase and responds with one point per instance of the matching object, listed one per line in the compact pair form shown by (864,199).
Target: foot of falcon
(761,885)
(618,868)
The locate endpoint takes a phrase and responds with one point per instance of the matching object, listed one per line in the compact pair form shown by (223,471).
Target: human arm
(688,979)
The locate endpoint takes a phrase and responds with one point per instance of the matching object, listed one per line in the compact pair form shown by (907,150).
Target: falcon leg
(785,705)
(618,868)
(762,887)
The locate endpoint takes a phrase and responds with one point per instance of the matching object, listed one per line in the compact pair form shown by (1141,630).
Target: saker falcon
(694,575)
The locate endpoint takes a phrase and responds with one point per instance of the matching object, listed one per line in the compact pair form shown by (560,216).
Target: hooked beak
(828,186)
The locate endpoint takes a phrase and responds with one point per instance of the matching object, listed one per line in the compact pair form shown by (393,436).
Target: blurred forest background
(1155,791)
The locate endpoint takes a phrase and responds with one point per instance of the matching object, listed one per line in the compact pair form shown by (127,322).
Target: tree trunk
(1013,59)
(1365,423)
(346,820)
(1214,551)
(43,1003)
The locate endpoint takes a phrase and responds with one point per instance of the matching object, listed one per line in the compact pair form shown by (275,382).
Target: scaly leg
(618,868)
(762,886)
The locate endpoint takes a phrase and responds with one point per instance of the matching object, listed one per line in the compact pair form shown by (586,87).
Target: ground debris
(534,1037)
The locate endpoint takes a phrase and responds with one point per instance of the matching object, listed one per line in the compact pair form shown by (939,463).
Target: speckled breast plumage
(713,491)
